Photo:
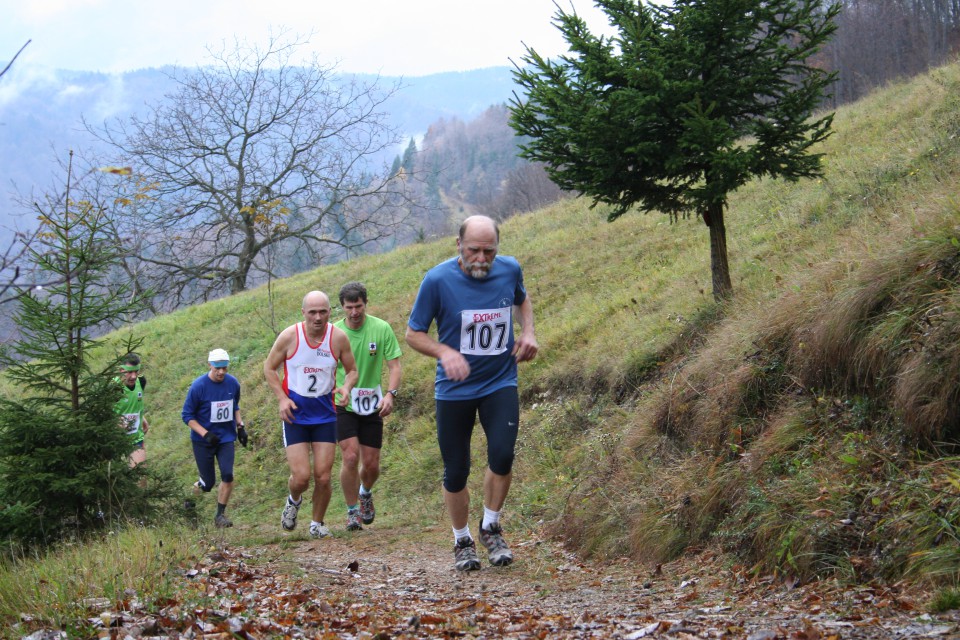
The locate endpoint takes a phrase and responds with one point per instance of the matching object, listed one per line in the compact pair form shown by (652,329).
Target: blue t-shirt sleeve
(520,292)
(189,405)
(425,306)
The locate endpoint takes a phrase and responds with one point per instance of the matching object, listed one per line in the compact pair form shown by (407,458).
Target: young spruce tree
(683,105)
(63,457)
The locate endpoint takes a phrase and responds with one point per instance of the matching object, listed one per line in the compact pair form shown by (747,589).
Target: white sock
(363,490)
(295,503)
(314,522)
(459,534)
(490,518)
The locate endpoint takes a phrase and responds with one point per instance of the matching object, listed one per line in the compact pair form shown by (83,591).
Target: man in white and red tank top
(308,397)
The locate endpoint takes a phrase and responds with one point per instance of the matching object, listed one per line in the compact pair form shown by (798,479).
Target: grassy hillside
(793,427)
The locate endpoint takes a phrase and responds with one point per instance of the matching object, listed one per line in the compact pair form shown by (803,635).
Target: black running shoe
(465,555)
(353,520)
(367,512)
(497,548)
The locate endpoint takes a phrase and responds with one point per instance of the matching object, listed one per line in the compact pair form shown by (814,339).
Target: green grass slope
(807,427)
(793,427)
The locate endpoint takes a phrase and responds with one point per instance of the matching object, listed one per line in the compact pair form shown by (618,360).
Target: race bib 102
(365,401)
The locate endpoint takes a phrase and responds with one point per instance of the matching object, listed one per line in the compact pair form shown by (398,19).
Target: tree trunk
(238,279)
(719,268)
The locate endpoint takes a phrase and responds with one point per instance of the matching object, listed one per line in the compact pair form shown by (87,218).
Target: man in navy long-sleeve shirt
(212,411)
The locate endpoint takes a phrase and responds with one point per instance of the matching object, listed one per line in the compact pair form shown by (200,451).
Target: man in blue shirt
(212,411)
(473,298)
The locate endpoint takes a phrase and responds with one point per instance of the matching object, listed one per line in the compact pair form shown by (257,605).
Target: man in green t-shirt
(130,406)
(360,423)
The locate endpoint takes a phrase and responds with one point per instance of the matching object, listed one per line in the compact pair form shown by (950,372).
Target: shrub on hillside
(62,471)
(63,456)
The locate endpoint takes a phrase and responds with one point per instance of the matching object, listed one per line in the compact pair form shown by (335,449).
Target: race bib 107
(485,332)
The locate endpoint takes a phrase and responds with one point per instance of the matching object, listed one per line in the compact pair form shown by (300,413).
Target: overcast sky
(413,38)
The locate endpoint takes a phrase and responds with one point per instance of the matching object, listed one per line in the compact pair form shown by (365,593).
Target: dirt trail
(381,582)
(386,583)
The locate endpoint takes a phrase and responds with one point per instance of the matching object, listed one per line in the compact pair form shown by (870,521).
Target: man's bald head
(315,298)
(479,223)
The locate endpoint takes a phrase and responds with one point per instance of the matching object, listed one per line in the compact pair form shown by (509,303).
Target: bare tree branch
(14,275)
(14,58)
(253,153)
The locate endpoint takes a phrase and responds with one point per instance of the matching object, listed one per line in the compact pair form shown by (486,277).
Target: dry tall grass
(801,429)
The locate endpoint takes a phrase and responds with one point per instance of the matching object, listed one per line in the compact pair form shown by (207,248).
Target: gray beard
(472,271)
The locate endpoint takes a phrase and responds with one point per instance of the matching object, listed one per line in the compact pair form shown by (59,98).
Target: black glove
(211,438)
(242,435)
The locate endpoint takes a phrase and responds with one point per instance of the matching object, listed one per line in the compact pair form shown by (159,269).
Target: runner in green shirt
(360,423)
(130,406)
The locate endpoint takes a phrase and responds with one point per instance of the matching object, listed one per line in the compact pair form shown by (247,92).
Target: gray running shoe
(222,522)
(367,512)
(353,520)
(319,530)
(465,555)
(497,548)
(288,520)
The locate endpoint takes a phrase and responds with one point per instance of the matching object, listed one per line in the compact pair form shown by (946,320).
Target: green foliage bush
(64,466)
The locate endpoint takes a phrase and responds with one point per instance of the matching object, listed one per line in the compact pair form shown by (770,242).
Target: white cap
(218,358)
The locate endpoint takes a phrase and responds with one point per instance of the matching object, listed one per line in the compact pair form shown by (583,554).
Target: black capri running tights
(499,416)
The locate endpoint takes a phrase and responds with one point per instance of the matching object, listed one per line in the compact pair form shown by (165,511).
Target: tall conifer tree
(682,106)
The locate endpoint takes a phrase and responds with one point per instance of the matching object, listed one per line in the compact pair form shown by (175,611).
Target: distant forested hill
(40,116)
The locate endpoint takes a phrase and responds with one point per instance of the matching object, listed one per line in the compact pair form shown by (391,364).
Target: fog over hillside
(40,117)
